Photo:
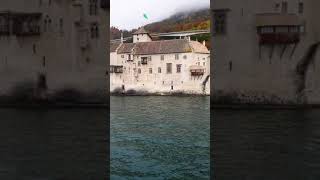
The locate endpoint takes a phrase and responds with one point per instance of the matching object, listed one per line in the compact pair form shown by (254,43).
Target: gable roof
(198,47)
(141,31)
(163,47)
(126,48)
(114,46)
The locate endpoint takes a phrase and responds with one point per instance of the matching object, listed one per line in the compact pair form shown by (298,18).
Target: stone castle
(176,66)
(53,50)
(265,52)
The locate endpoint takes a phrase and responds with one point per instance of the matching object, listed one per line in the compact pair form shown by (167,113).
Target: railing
(197,72)
(31,31)
(116,69)
(22,24)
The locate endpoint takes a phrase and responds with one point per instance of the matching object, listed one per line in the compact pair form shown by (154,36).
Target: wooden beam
(283,50)
(293,50)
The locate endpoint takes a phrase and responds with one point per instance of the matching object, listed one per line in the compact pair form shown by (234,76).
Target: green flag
(145,16)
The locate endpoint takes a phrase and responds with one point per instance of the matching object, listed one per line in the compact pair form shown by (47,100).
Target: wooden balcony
(197,70)
(276,28)
(279,38)
(20,24)
(116,69)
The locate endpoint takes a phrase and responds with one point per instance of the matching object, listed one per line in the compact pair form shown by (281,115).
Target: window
(220,21)
(150,70)
(159,70)
(301,7)
(302,28)
(230,66)
(294,29)
(176,57)
(265,30)
(104,4)
(93,7)
(129,57)
(88,60)
(144,60)
(61,26)
(282,29)
(139,71)
(94,31)
(179,68)
(44,61)
(34,49)
(122,56)
(139,63)
(162,57)
(204,63)
(284,7)
(169,68)
(185,57)
(277,6)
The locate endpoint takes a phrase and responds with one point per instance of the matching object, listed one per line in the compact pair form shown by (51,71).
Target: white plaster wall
(162,82)
(141,38)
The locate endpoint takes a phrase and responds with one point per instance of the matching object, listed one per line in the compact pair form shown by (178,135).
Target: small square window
(179,68)
(176,57)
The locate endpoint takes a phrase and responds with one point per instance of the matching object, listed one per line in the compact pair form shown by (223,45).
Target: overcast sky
(128,14)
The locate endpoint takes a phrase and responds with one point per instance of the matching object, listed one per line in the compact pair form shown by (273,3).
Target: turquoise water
(160,137)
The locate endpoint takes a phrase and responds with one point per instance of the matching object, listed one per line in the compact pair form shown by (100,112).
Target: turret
(141,36)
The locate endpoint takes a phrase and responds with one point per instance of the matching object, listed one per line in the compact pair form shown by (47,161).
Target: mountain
(182,21)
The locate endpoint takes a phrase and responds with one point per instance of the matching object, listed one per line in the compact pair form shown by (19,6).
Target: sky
(128,14)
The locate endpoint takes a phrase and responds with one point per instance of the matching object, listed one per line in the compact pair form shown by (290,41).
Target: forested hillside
(184,21)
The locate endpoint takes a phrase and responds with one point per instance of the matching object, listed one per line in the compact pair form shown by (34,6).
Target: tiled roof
(198,47)
(114,46)
(126,48)
(141,31)
(163,47)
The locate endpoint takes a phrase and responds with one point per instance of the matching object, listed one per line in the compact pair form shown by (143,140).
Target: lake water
(53,144)
(266,145)
(160,137)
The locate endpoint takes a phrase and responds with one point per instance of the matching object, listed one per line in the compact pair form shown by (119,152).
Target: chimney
(204,42)
(121,37)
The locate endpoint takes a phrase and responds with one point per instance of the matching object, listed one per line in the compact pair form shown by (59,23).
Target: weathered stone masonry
(265,52)
(53,51)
